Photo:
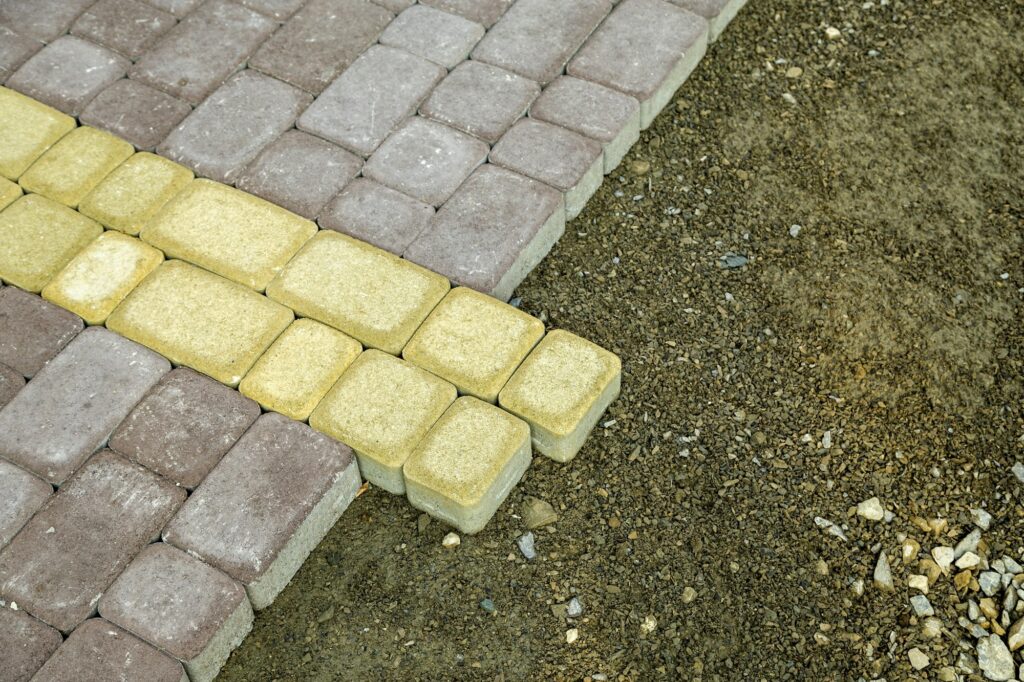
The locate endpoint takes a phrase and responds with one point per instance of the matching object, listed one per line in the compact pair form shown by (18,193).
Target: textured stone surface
(200,320)
(8,192)
(299,368)
(178,8)
(26,643)
(480,99)
(27,129)
(267,504)
(234,124)
(382,407)
(41,19)
(299,172)
(140,114)
(124,26)
(443,38)
(103,517)
(377,214)
(718,12)
(15,49)
(371,98)
(21,496)
(373,296)
(277,9)
(10,383)
(484,12)
(492,232)
(32,331)
(75,165)
(396,6)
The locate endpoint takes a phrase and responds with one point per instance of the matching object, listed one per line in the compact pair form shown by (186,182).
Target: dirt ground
(878,352)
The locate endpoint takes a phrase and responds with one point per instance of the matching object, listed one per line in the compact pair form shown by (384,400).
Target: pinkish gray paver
(140,114)
(718,12)
(26,644)
(178,8)
(377,214)
(10,383)
(21,496)
(441,37)
(42,20)
(15,49)
(484,12)
(125,26)
(32,330)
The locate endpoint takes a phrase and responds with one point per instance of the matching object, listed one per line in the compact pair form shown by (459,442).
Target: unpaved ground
(892,321)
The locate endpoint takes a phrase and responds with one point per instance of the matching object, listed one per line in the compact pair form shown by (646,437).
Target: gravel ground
(871,345)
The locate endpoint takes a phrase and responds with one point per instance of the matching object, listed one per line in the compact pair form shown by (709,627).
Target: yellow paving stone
(27,129)
(72,167)
(468,463)
(474,341)
(302,365)
(38,237)
(135,191)
(227,231)
(101,275)
(9,191)
(381,408)
(366,292)
(561,389)
(201,320)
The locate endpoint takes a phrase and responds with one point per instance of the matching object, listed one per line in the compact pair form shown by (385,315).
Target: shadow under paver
(21,496)
(441,37)
(124,26)
(140,114)
(377,215)
(26,642)
(27,129)
(32,330)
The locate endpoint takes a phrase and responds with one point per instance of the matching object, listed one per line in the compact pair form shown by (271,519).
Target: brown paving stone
(184,425)
(21,496)
(377,214)
(320,42)
(484,12)
(300,172)
(443,38)
(374,95)
(32,330)
(140,114)
(73,404)
(102,517)
(68,73)
(10,383)
(26,643)
(41,19)
(192,59)
(277,9)
(178,8)
(480,99)
(234,124)
(125,26)
(15,49)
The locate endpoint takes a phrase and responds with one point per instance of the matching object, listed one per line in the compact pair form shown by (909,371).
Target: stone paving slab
(70,169)
(377,215)
(42,20)
(8,193)
(140,114)
(15,49)
(10,383)
(443,38)
(32,331)
(21,496)
(27,643)
(127,27)
(27,129)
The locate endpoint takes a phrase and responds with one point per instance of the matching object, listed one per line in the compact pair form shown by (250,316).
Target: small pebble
(794,72)
(871,509)
(571,635)
(451,541)
(833,33)
(689,594)
(922,607)
(918,659)
(526,546)
(943,557)
(883,575)
(981,518)
(649,625)
(574,609)
(487,605)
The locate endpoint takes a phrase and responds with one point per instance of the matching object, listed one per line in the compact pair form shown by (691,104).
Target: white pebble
(452,540)
(871,509)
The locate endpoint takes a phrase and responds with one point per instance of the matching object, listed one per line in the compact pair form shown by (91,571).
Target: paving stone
(426,160)
(27,129)
(234,124)
(495,229)
(229,232)
(277,9)
(99,651)
(192,59)
(41,19)
(299,172)
(32,331)
(468,463)
(395,6)
(474,341)
(646,49)
(373,296)
(377,214)
(535,38)
(26,643)
(96,280)
(15,49)
(21,496)
(183,426)
(68,73)
(320,42)
(299,368)
(561,389)
(382,407)
(136,112)
(10,383)
(124,26)
(135,192)
(179,604)
(8,192)
(718,13)
(443,38)
(602,114)
(73,404)
(267,504)
(569,162)
(78,162)
(178,8)
(480,99)
(200,320)
(102,517)
(484,12)
(40,237)
(371,98)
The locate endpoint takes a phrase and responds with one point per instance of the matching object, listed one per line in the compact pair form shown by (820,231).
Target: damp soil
(878,352)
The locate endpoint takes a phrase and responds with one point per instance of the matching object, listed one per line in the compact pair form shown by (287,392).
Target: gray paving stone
(32,330)
(68,73)
(300,172)
(192,59)
(481,100)
(443,38)
(371,98)
(99,651)
(277,9)
(178,8)
(395,6)
(21,496)
(426,160)
(10,383)
(645,48)
(136,112)
(608,116)
(73,404)
(484,12)
(67,555)
(568,161)
(377,214)
(15,49)
(41,19)
(182,606)
(536,38)
(228,130)
(495,229)
(718,13)
(26,643)
(320,42)
(267,504)
(124,26)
